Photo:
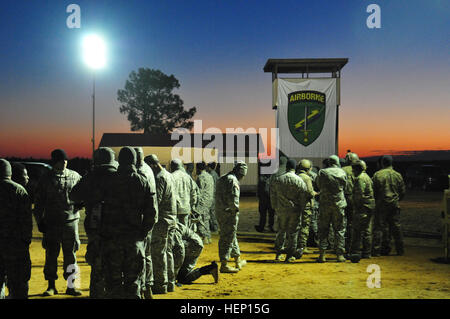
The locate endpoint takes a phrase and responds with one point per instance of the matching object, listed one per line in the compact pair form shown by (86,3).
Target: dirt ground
(414,275)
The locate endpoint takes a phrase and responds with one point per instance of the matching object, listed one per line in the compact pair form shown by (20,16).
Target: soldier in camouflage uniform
(16,226)
(364,207)
(147,276)
(213,224)
(227,212)
(205,184)
(128,215)
(185,189)
(304,173)
(164,231)
(93,186)
(389,189)
(332,181)
(57,218)
(280,237)
(314,228)
(187,248)
(350,159)
(264,207)
(290,194)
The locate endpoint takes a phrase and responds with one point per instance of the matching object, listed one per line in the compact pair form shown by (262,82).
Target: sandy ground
(414,275)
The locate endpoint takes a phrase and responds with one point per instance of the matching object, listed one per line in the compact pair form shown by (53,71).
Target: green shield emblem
(306,115)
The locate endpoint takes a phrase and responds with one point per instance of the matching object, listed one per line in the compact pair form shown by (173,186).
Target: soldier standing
(205,184)
(187,248)
(350,159)
(304,173)
(227,210)
(291,196)
(147,276)
(389,189)
(364,206)
(91,190)
(163,233)
(185,189)
(128,215)
(16,226)
(57,219)
(214,225)
(332,181)
(281,234)
(264,207)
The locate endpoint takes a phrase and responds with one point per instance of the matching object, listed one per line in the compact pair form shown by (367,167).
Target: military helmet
(104,156)
(305,164)
(351,157)
(361,164)
(5,168)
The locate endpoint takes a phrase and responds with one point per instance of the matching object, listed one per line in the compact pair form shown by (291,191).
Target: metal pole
(93,117)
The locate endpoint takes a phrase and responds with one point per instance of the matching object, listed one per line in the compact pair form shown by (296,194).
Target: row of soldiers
(342,207)
(146,227)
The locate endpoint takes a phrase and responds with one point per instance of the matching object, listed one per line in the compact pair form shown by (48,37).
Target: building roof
(188,140)
(328,65)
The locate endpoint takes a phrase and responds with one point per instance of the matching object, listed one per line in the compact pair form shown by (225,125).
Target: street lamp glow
(94,51)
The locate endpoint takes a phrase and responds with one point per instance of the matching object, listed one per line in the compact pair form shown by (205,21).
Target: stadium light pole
(94,54)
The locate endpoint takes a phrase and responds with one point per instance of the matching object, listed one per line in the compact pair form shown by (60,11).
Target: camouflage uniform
(147,275)
(213,224)
(205,184)
(264,206)
(281,234)
(15,234)
(364,206)
(56,215)
(331,182)
(307,212)
(349,209)
(290,196)
(227,212)
(186,193)
(314,228)
(163,233)
(128,215)
(389,189)
(93,186)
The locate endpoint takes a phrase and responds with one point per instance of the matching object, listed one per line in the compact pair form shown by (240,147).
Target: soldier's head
(350,158)
(386,161)
(240,170)
(139,156)
(20,174)
(358,167)
(5,169)
(305,165)
(176,164)
(104,156)
(211,166)
(201,166)
(291,165)
(333,160)
(127,156)
(153,161)
(189,168)
(59,159)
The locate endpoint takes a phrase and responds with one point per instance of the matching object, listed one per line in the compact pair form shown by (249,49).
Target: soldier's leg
(147,273)
(366,233)
(2,275)
(171,277)
(214,224)
(70,245)
(159,257)
(178,252)
(357,228)
(304,228)
(271,214)
(18,270)
(324,222)
(235,250)
(338,221)
(280,238)
(377,233)
(395,226)
(292,231)
(262,209)
(93,258)
(183,219)
(194,274)
(385,234)
(113,255)
(348,225)
(51,242)
(134,263)
(188,272)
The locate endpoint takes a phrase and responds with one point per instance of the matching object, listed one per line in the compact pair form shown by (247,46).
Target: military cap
(104,156)
(127,156)
(333,160)
(151,159)
(305,164)
(58,155)
(5,168)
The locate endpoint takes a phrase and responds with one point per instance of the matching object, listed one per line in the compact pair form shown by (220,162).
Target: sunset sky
(395,89)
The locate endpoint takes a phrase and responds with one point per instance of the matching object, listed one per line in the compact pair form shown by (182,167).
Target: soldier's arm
(80,191)
(234,196)
(150,209)
(273,196)
(40,201)
(195,192)
(25,216)
(401,187)
(161,186)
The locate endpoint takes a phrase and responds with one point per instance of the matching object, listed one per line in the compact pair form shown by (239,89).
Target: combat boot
(289,259)
(73,292)
(321,258)
(51,290)
(278,257)
(148,293)
(240,263)
(227,269)
(215,272)
(299,253)
(340,258)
